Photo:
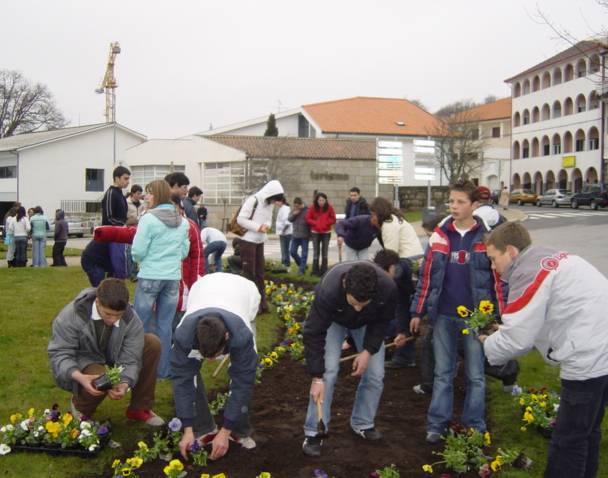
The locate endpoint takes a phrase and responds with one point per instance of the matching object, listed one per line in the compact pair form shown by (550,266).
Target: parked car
(591,196)
(77,227)
(523,196)
(555,198)
(495,196)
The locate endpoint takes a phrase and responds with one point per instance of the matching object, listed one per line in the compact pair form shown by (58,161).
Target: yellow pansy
(15,417)
(205,475)
(487,439)
(267,362)
(115,463)
(126,472)
(67,418)
(176,465)
(265,474)
(500,459)
(465,331)
(54,428)
(30,413)
(74,433)
(522,402)
(427,468)
(486,306)
(274,355)
(495,465)
(462,311)
(142,445)
(219,475)
(135,462)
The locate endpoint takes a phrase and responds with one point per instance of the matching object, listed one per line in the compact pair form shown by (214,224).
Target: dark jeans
(320,243)
(58,259)
(94,272)
(252,255)
(20,251)
(575,443)
(299,260)
(216,248)
(405,355)
(284,241)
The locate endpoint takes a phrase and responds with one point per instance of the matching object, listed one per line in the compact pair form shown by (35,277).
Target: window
(580,145)
(93,206)
(594,143)
(546,149)
(8,172)
(496,132)
(224,182)
(557,148)
(143,175)
(94,180)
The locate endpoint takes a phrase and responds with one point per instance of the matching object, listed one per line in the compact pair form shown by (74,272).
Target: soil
(278,409)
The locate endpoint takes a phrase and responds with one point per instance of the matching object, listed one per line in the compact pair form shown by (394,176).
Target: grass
(29,301)
(48,251)
(505,420)
(412,216)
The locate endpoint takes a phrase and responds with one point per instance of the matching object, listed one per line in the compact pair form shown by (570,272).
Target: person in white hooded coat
(256,217)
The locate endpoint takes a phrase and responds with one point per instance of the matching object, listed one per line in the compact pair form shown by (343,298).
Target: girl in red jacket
(320,217)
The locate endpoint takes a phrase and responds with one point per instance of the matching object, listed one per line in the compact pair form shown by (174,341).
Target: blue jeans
(370,386)
(293,250)
(284,240)
(38,257)
(155,303)
(446,332)
(216,248)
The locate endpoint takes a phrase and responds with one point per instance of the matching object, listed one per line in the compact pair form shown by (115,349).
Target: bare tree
(26,107)
(277,165)
(458,142)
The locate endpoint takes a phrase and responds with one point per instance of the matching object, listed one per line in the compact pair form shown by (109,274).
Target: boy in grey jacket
(100,328)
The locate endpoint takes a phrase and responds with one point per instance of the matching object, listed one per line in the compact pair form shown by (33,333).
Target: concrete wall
(414,198)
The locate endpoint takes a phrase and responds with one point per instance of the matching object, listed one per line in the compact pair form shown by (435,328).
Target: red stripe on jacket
(426,281)
(193,266)
(528,294)
(499,289)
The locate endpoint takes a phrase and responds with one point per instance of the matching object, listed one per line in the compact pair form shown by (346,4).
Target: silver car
(76,227)
(555,198)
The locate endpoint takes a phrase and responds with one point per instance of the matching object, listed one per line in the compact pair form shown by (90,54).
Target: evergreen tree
(271,126)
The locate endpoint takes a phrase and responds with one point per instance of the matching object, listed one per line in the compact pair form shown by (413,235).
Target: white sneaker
(418,389)
(247,442)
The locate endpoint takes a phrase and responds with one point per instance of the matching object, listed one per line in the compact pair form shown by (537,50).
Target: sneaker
(312,446)
(75,412)
(422,389)
(246,442)
(433,437)
(369,434)
(147,416)
(392,364)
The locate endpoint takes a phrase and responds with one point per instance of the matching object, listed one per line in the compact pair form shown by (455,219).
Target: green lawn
(48,251)
(29,301)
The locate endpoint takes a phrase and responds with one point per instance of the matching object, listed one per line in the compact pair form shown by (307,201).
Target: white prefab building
(557,121)
(68,168)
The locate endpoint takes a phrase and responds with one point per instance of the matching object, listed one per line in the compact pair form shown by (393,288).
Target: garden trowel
(321,428)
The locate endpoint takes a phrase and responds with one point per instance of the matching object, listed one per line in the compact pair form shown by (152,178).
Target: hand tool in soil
(388,346)
(339,252)
(321,428)
(222,363)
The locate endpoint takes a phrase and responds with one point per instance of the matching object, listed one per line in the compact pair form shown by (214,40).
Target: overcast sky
(186,64)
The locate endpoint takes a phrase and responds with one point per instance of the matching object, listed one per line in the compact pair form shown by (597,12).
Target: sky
(187,64)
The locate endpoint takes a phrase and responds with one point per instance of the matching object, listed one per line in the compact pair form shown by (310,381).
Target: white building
(67,168)
(557,120)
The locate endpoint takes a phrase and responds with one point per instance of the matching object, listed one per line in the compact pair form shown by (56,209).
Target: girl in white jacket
(397,234)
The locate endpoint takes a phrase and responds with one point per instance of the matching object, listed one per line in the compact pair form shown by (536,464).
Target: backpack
(233,226)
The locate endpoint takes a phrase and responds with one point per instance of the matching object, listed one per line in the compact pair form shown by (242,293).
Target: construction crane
(108,84)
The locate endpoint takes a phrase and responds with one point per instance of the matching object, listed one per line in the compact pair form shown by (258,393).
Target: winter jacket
(301,229)
(485,283)
(40,224)
(235,300)
(193,266)
(114,207)
(320,221)
(398,235)
(357,232)
(189,210)
(557,303)
(161,243)
(489,215)
(20,228)
(260,213)
(61,228)
(282,226)
(73,345)
(352,209)
(97,254)
(330,306)
(134,211)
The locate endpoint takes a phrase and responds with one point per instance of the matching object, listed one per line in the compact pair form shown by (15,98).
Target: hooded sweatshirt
(253,215)
(161,243)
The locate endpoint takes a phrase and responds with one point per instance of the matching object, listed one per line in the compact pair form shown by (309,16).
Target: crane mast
(108,84)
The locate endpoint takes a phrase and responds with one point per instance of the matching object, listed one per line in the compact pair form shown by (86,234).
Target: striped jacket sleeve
(419,306)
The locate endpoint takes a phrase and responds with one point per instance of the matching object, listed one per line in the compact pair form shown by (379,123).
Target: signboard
(568,161)
(389,161)
(424,160)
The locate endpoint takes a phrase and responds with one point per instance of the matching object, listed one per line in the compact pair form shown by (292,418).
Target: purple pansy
(175,425)
(102,430)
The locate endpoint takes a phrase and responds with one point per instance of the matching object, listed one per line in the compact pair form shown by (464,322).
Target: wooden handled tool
(221,365)
(388,346)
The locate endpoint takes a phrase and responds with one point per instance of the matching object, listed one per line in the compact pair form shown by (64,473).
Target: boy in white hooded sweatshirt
(256,217)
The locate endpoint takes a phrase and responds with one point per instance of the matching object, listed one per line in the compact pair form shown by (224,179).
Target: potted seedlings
(108,379)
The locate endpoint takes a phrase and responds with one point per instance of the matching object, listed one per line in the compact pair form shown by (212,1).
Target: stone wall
(414,197)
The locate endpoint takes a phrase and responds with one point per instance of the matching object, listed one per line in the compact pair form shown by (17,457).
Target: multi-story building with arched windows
(557,120)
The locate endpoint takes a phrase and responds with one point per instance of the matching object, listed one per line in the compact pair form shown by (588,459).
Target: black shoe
(393,364)
(312,446)
(369,434)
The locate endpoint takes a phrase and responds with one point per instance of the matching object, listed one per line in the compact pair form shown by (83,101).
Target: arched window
(517,90)
(567,142)
(526,87)
(536,83)
(557,76)
(550,179)
(577,180)
(535,115)
(525,149)
(535,148)
(546,80)
(594,63)
(516,119)
(545,113)
(545,146)
(557,109)
(516,153)
(568,73)
(594,101)
(579,144)
(581,103)
(581,68)
(591,176)
(594,138)
(557,144)
(526,117)
(562,179)
(516,181)
(568,106)
(527,182)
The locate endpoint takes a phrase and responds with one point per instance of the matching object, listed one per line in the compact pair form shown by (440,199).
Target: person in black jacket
(359,298)
(114,203)
(357,234)
(356,204)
